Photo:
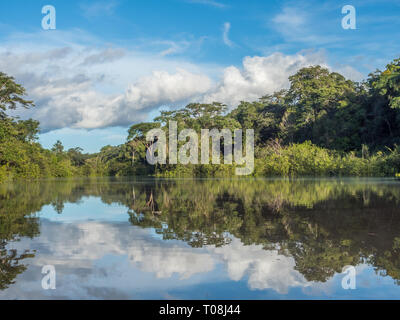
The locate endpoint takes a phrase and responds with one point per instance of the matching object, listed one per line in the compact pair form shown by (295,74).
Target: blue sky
(113,63)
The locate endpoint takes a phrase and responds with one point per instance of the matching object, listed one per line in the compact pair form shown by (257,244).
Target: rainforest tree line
(323,124)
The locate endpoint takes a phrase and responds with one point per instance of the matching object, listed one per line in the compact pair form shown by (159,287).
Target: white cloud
(159,88)
(89,108)
(260,76)
(87,86)
(225,34)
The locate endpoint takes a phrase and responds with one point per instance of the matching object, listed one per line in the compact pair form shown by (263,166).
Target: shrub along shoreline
(295,160)
(300,160)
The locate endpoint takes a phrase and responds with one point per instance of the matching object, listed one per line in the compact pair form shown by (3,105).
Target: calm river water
(200,239)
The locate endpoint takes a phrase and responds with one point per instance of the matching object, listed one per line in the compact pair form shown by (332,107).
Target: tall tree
(11,95)
(315,95)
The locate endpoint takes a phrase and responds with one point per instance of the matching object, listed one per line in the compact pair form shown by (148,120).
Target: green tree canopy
(11,95)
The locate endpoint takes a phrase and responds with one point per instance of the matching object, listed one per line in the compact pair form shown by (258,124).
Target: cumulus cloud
(260,76)
(146,94)
(162,88)
(86,86)
(82,87)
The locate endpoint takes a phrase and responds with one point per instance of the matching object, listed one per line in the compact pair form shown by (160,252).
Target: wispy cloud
(105,56)
(98,9)
(290,18)
(172,46)
(297,25)
(209,3)
(225,34)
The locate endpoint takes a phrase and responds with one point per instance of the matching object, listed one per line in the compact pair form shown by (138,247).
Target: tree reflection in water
(323,224)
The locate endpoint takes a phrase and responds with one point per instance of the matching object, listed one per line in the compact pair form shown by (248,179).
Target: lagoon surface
(200,239)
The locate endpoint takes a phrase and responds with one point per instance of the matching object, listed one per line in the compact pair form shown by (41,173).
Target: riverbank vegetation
(322,125)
